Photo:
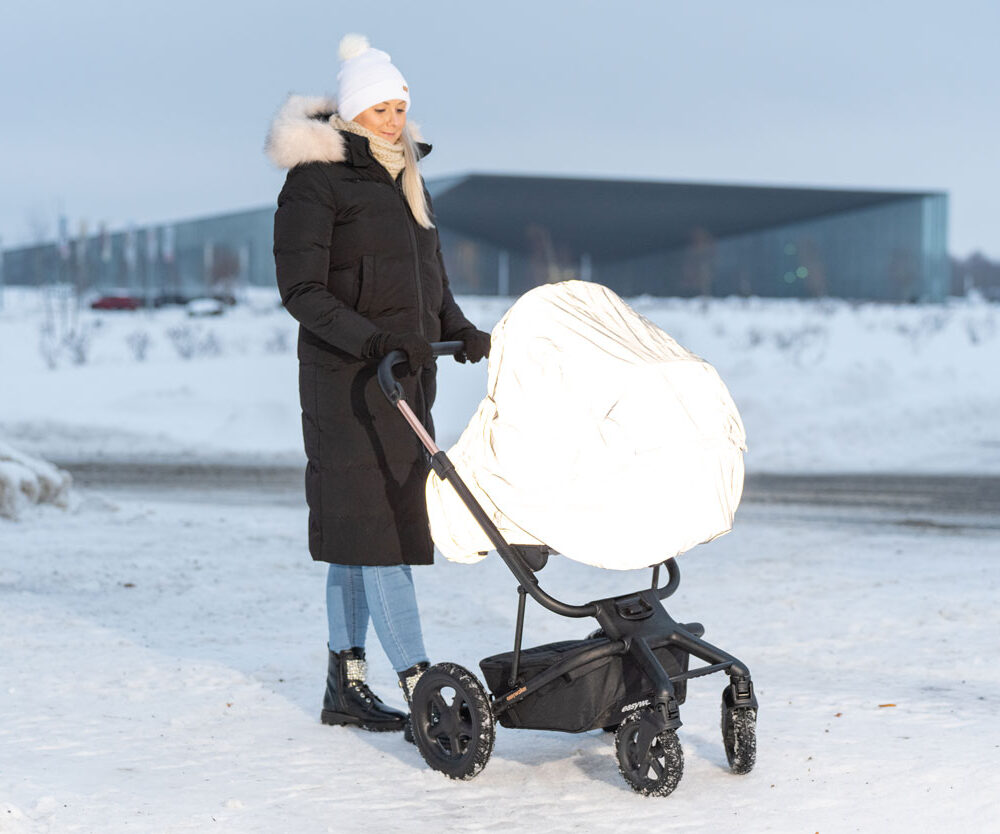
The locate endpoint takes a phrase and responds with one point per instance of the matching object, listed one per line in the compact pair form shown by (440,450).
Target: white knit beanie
(367,77)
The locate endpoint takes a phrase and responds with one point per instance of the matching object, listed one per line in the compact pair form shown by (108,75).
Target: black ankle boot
(407,680)
(348,700)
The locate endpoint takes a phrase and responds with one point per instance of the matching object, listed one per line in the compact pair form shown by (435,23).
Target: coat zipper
(416,257)
(420,295)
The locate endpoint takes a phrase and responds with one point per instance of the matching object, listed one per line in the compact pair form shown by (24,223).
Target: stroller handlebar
(386,379)
(524,572)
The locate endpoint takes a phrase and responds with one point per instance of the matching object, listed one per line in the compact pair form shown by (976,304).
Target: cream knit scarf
(388,154)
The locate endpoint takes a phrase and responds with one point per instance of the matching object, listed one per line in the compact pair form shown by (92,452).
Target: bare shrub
(184,338)
(920,331)
(278,341)
(805,346)
(48,345)
(78,342)
(209,345)
(138,342)
(190,342)
(74,344)
(980,330)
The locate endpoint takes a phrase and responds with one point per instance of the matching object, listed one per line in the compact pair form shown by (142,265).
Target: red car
(116,302)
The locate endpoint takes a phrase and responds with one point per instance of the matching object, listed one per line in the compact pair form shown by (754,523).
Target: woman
(359,266)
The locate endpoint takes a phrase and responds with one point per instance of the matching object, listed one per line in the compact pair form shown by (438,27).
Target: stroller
(628,677)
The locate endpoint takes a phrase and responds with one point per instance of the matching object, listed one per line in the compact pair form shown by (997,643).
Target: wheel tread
(669,768)
(481,727)
(739,737)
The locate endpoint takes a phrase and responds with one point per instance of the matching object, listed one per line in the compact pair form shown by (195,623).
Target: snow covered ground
(163,664)
(822,386)
(26,481)
(162,655)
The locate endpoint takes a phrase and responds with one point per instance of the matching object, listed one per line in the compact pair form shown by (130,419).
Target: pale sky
(154,111)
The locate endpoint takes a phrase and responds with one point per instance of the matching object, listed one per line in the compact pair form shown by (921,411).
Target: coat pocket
(367,291)
(345,283)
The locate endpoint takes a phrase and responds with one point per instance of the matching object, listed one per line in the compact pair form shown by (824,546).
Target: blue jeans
(355,592)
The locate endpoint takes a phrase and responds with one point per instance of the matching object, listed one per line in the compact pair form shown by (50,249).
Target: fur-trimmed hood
(301,132)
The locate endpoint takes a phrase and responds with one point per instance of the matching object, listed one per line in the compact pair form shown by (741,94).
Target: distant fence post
(503,273)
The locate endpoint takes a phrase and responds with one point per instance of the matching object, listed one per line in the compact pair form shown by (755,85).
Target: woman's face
(386,119)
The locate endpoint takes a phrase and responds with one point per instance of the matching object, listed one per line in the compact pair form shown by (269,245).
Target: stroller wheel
(653,768)
(452,721)
(739,737)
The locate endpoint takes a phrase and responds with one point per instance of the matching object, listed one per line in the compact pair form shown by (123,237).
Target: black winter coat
(352,261)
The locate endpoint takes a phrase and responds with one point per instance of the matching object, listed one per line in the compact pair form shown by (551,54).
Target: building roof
(611,218)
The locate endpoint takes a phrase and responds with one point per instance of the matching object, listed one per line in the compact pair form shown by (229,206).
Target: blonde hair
(413,183)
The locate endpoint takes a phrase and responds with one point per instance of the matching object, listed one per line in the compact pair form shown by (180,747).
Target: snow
(26,481)
(163,652)
(164,663)
(822,386)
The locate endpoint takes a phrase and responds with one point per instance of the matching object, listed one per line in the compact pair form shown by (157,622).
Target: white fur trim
(296,137)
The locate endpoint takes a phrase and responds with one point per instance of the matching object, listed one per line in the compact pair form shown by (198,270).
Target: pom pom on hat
(367,77)
(351,46)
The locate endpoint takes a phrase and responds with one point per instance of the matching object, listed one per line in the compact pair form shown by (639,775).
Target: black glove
(477,345)
(418,350)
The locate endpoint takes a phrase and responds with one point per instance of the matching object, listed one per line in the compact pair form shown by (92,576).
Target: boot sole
(339,719)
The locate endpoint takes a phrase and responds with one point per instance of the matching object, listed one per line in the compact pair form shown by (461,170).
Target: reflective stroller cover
(599,436)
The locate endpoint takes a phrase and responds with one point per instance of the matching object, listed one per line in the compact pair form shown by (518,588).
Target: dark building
(191,257)
(506,234)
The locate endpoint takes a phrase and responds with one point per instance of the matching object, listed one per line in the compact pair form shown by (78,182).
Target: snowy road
(163,657)
(162,645)
(962,499)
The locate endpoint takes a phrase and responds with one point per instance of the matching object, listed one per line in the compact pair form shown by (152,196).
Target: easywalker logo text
(636,705)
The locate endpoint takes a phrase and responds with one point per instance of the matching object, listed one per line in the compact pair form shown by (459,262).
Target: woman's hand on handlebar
(477,345)
(417,349)
(419,353)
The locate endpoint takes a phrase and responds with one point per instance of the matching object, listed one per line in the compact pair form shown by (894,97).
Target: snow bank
(822,386)
(25,480)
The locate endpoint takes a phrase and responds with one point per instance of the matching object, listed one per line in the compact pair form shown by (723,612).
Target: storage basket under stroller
(590,697)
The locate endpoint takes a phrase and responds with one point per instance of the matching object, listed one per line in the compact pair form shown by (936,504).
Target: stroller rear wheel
(739,737)
(653,768)
(452,721)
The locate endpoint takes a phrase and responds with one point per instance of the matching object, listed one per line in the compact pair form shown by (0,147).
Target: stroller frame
(632,625)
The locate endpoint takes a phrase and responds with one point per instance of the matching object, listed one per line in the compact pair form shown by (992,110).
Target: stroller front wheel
(739,737)
(652,769)
(452,721)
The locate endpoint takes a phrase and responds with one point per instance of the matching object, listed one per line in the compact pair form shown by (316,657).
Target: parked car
(171,299)
(180,299)
(117,300)
(205,307)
